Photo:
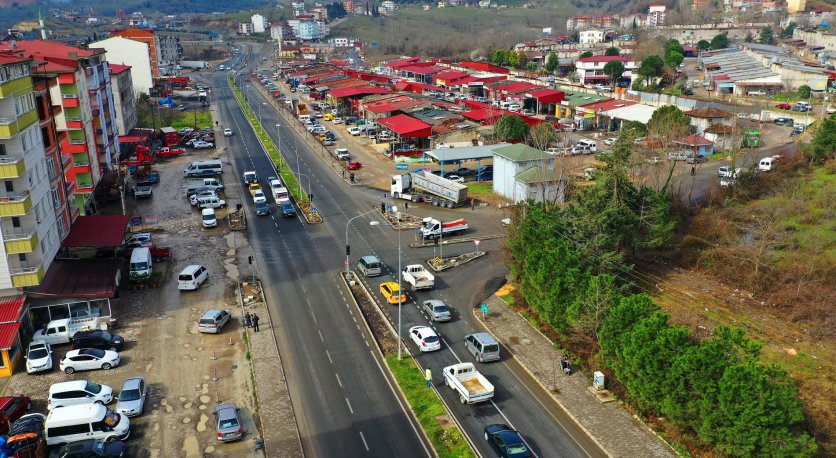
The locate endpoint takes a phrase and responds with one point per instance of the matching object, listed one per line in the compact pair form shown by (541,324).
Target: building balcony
(11,167)
(20,242)
(15,86)
(75,123)
(70,101)
(28,276)
(74,146)
(9,127)
(66,78)
(66,161)
(15,205)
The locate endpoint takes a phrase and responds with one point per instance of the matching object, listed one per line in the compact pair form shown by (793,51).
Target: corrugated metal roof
(8,334)
(10,307)
(469,153)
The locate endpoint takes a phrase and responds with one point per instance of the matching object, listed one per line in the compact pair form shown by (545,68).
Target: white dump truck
(423,186)
(472,386)
(417,276)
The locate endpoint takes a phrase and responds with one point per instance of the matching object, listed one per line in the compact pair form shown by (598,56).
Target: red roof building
(406,126)
(483,67)
(449,78)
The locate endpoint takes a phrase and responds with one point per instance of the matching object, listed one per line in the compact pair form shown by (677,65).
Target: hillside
(451,32)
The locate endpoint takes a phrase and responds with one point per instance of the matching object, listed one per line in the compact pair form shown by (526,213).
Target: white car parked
(354,131)
(200,144)
(86,359)
(609,141)
(455,178)
(38,357)
(425,338)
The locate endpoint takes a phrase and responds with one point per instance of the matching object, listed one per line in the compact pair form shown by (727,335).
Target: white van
(766,164)
(88,421)
(78,392)
(213,165)
(141,264)
(304,118)
(590,145)
(209,218)
(192,277)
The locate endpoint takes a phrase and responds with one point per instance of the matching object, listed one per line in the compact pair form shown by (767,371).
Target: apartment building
(123,98)
(147,37)
(131,53)
(29,211)
(88,115)
(590,70)
(169,53)
(656,15)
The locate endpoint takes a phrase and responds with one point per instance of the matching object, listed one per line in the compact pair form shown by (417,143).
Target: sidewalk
(615,430)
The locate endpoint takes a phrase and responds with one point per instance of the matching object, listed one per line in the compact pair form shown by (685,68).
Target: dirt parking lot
(187,372)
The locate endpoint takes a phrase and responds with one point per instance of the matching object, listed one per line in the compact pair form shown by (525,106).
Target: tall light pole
(299,184)
(347,246)
(400,290)
(295,149)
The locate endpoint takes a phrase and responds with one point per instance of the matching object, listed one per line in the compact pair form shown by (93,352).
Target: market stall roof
(352,91)
(94,231)
(546,95)
(406,126)
(95,278)
(468,153)
(638,112)
(8,335)
(10,308)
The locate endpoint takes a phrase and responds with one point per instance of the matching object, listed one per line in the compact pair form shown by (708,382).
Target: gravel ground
(160,329)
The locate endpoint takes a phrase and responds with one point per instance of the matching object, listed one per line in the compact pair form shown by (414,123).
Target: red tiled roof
(694,140)
(10,307)
(97,231)
(116,69)
(420,69)
(406,126)
(352,91)
(8,335)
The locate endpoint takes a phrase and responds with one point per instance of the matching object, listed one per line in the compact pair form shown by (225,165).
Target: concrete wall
(827,40)
(695,33)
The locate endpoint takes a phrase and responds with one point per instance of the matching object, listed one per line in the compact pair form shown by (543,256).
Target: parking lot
(187,372)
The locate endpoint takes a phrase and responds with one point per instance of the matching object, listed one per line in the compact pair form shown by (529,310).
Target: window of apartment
(21,257)
(39,212)
(56,199)
(25,139)
(50,168)
(5,75)
(43,247)
(62,229)
(20,71)
(10,187)
(2,149)
(15,221)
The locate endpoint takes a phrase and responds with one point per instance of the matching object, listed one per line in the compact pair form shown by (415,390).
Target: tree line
(573,264)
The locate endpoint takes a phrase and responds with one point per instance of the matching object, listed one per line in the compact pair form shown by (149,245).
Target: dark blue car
(507,442)
(153,177)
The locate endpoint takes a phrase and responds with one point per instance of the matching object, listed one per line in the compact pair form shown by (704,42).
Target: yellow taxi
(392,293)
(254,187)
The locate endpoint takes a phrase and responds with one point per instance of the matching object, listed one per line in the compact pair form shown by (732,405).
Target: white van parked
(192,277)
(213,165)
(209,218)
(766,164)
(590,145)
(89,421)
(141,263)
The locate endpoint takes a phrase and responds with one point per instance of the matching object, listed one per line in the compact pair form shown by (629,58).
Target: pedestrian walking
(472,204)
(429,376)
(255,322)
(693,171)
(248,320)
(406,205)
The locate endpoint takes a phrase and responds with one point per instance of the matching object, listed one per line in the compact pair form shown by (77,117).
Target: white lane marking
(338,380)
(349,406)
(329,356)
(365,444)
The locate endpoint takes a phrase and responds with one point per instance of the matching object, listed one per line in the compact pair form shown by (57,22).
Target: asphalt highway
(342,398)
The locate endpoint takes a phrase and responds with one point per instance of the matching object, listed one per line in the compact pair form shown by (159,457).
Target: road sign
(313,209)
(401,166)
(484,308)
(345,262)
(437,260)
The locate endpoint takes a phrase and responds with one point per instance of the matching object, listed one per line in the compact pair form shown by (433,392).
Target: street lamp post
(400,290)
(295,149)
(347,246)
(299,185)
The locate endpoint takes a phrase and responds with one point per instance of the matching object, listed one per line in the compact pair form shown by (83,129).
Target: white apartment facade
(132,53)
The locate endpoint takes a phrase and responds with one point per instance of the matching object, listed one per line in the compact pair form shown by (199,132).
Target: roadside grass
(445,436)
(284,171)
(203,120)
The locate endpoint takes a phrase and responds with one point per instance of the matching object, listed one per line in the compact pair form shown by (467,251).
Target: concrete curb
(403,395)
(281,367)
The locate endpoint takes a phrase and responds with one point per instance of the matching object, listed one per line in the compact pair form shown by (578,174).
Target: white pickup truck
(59,332)
(472,386)
(417,276)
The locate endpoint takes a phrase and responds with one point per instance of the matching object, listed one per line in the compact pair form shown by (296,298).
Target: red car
(12,408)
(353,165)
(783,106)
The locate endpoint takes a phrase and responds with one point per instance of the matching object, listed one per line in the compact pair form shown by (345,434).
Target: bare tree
(542,135)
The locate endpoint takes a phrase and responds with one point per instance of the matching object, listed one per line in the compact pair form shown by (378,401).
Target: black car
(507,442)
(91,448)
(462,172)
(784,121)
(154,177)
(103,340)
(287,209)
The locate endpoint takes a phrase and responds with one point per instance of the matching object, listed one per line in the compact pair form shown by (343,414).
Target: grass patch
(203,120)
(445,436)
(480,189)
(285,172)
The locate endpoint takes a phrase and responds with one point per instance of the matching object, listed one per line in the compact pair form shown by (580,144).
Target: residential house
(508,164)
(591,36)
(590,70)
(696,145)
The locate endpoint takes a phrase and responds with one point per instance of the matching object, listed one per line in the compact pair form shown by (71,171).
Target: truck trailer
(423,186)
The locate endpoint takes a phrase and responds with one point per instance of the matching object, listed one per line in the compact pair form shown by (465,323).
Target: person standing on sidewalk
(429,376)
(255,322)
(472,204)
(248,320)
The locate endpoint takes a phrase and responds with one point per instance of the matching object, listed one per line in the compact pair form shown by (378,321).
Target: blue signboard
(402,166)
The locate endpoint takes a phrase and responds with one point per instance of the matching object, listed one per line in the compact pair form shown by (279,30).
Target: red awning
(8,335)
(97,231)
(76,279)
(10,308)
(130,139)
(406,126)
